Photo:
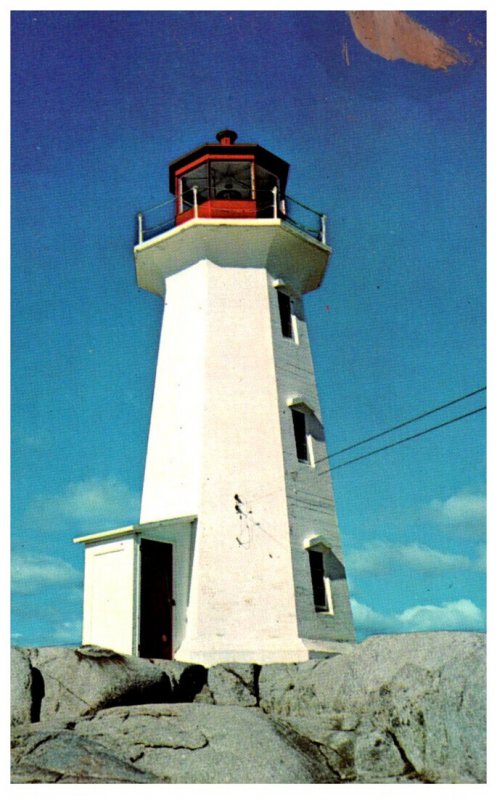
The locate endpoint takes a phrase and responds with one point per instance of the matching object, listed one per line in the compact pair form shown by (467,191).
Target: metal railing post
(323,228)
(140,227)
(195,202)
(275,201)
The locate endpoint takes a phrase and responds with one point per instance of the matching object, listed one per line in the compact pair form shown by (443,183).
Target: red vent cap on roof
(226,136)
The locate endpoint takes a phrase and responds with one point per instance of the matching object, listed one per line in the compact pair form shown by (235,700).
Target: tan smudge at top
(394,35)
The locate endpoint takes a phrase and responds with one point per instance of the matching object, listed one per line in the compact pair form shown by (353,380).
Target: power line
(281,489)
(402,424)
(406,439)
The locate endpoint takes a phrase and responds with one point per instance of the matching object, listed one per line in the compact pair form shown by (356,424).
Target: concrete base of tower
(320,649)
(209,653)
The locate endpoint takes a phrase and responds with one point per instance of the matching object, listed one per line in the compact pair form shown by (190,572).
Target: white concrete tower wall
(311,505)
(171,486)
(216,404)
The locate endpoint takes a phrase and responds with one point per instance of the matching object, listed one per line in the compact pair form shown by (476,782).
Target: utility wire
(280,489)
(406,439)
(402,424)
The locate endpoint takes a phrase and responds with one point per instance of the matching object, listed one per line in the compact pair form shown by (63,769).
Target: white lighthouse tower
(237,553)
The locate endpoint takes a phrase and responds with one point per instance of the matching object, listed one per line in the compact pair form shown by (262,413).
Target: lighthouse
(236,556)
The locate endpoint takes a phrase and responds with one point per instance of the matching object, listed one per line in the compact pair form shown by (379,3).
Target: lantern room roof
(262,157)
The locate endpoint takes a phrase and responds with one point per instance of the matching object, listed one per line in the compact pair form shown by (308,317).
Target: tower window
(285,307)
(321,584)
(300,432)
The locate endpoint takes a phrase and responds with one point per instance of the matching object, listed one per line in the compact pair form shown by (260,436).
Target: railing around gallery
(269,204)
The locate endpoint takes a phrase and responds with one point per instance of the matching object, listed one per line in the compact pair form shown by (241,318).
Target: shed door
(156,600)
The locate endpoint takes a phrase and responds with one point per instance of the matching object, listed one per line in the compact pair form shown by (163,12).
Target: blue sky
(394,153)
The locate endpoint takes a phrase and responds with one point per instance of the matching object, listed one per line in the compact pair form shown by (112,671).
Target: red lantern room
(228,180)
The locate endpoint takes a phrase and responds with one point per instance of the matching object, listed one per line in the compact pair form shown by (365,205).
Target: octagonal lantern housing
(228,180)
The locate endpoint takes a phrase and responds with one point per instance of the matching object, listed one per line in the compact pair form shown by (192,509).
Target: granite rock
(21,688)
(396,709)
(232,684)
(420,698)
(52,754)
(163,743)
(81,680)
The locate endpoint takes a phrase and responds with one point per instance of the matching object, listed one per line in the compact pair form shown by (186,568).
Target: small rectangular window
(300,431)
(285,306)
(316,560)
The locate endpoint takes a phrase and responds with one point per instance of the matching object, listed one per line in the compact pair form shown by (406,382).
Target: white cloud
(86,505)
(425,559)
(30,573)
(448,616)
(452,616)
(367,619)
(381,558)
(464,512)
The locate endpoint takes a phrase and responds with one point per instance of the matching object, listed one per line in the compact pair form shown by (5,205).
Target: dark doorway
(156,600)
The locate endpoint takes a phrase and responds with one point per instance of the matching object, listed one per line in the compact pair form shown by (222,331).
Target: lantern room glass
(265,182)
(198,177)
(230,179)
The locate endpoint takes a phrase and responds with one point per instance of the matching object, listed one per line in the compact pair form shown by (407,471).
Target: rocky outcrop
(52,754)
(411,704)
(21,687)
(397,709)
(164,743)
(82,680)
(231,684)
